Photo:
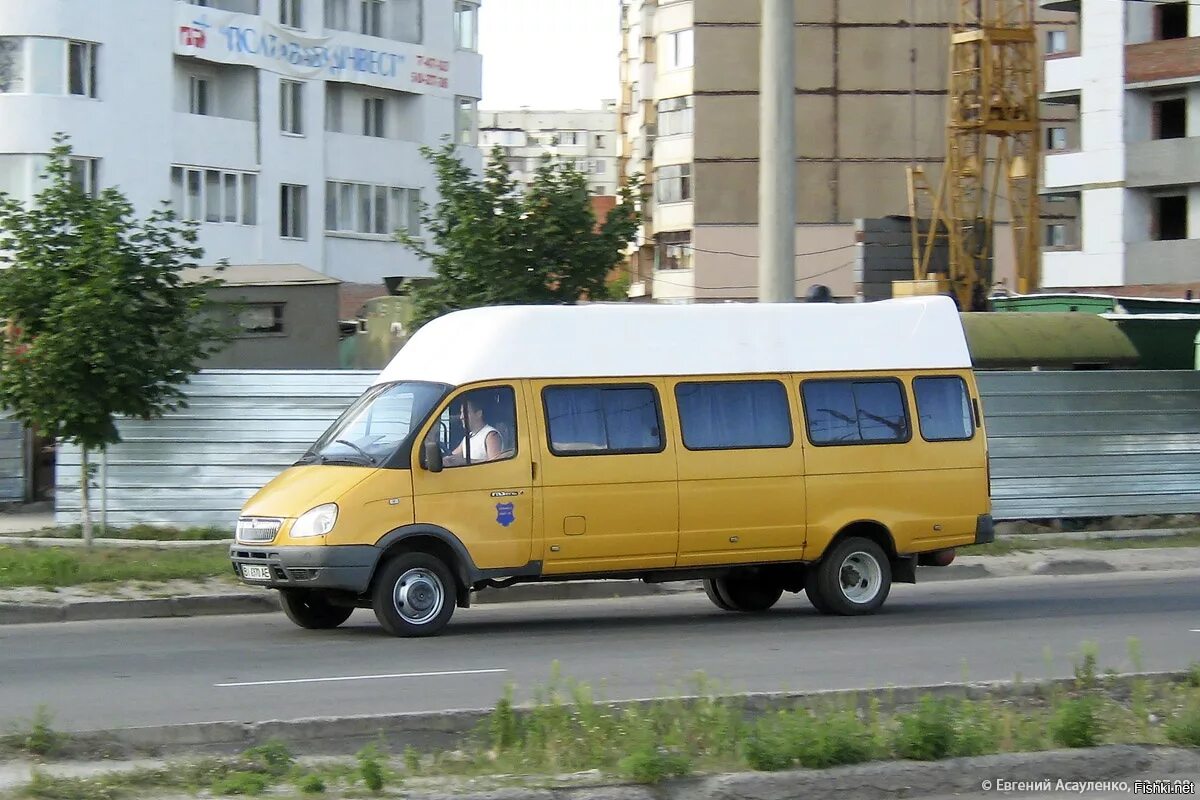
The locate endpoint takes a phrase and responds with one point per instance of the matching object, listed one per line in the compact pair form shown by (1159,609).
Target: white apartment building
(1135,167)
(585,139)
(289,129)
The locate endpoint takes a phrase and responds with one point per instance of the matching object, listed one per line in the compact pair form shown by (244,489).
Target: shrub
(250,783)
(1077,722)
(654,765)
(311,784)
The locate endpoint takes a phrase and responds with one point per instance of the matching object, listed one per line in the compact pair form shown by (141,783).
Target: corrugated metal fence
(1093,444)
(1063,444)
(14,465)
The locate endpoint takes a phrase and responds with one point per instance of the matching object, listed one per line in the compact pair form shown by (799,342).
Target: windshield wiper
(361,452)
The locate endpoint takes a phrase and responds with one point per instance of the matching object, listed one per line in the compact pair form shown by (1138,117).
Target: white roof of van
(617,340)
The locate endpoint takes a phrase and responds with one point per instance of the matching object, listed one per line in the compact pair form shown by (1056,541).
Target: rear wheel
(311,610)
(853,578)
(710,589)
(748,594)
(414,595)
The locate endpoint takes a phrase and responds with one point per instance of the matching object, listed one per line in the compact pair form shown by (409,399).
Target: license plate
(254,572)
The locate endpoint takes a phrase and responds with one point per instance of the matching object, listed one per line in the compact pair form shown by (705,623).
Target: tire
(710,589)
(813,593)
(853,578)
(310,610)
(414,595)
(750,595)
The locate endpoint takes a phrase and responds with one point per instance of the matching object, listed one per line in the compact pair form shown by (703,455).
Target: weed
(505,727)
(928,733)
(249,783)
(370,768)
(654,764)
(41,739)
(1077,722)
(1184,728)
(1193,675)
(311,784)
(272,757)
(412,760)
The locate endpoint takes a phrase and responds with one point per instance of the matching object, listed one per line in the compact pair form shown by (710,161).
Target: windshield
(377,426)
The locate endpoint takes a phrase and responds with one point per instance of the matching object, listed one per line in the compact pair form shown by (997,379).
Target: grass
(568,730)
(27,565)
(144,533)
(1028,544)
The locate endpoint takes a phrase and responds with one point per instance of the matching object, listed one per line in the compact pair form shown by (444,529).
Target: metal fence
(1062,444)
(14,461)
(1093,444)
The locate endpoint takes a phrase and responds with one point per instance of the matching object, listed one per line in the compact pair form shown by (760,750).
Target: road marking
(365,677)
(1194,630)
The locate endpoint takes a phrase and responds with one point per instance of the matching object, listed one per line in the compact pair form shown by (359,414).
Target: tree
(100,321)
(493,244)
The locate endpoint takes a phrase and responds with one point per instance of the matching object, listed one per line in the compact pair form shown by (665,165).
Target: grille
(257,529)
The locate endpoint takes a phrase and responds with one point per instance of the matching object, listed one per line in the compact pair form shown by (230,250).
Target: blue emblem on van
(505,514)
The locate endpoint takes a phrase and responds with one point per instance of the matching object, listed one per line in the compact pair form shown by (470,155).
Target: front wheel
(853,578)
(311,610)
(414,595)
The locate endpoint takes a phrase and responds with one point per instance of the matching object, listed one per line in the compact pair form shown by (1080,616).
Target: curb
(445,730)
(92,610)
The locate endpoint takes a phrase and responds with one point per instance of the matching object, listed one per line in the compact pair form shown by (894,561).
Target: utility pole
(777,155)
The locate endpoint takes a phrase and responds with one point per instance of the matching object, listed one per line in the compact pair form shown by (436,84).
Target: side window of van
(597,420)
(727,416)
(944,409)
(479,426)
(855,412)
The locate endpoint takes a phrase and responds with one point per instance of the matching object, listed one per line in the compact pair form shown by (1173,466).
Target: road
(94,675)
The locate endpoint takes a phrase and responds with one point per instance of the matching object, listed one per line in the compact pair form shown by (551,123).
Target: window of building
(677,49)
(1169,118)
(489,410)
(1056,42)
(673,184)
(1057,198)
(571,138)
(601,420)
(367,208)
(291,13)
(200,95)
(598,166)
(334,100)
(372,17)
(675,116)
(374,117)
(81,69)
(85,174)
(291,107)
(260,318)
(337,15)
(12,64)
(673,250)
(215,196)
(944,409)
(732,416)
(466,121)
(1170,217)
(1056,235)
(407,21)
(293,208)
(1171,20)
(1056,138)
(855,412)
(599,141)
(466,25)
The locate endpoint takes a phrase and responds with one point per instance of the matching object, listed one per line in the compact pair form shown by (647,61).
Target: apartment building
(585,139)
(1134,80)
(871,79)
(289,129)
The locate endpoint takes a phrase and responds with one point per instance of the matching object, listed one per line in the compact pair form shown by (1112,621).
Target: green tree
(492,244)
(100,322)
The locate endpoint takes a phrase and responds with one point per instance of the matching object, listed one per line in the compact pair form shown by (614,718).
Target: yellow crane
(992,141)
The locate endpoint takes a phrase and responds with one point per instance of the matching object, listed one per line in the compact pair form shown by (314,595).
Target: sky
(549,54)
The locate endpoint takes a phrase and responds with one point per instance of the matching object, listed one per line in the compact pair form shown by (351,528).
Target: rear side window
(729,416)
(598,420)
(855,412)
(944,409)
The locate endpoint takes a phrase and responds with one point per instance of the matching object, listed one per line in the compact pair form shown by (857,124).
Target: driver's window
(478,426)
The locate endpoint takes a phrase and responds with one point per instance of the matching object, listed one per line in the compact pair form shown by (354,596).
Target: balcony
(1162,162)
(1067,171)
(1059,5)
(1162,262)
(1064,77)
(1162,63)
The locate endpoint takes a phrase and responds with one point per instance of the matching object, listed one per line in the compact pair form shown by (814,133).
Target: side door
(607,473)
(741,471)
(485,495)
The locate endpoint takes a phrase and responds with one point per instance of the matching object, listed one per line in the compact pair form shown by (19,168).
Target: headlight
(315,522)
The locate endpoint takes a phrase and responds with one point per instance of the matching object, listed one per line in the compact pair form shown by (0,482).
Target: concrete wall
(310,329)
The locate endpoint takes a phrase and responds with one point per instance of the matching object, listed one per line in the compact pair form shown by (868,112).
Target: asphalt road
(94,675)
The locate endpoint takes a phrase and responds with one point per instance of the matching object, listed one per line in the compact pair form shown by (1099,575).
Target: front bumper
(985,529)
(340,567)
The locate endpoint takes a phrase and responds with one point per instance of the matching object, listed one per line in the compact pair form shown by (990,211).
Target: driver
(481,442)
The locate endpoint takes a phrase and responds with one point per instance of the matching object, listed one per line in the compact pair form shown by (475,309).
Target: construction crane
(992,141)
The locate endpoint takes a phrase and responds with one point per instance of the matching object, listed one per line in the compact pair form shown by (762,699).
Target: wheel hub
(418,596)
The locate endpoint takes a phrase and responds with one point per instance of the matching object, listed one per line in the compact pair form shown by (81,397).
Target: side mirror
(431,456)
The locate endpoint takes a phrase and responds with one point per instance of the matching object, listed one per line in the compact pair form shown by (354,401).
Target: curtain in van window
(944,408)
(855,411)
(586,418)
(734,415)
